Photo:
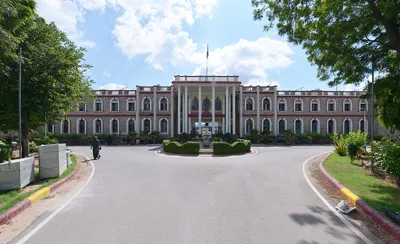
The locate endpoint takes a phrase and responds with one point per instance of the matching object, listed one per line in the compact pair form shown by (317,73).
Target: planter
(52,160)
(16,174)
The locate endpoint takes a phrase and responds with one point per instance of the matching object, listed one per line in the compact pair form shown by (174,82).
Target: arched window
(363,105)
(249,125)
(331,126)
(266,125)
(298,105)
(131,104)
(164,126)
(65,126)
(114,104)
(266,104)
(163,104)
(347,105)
(281,126)
(298,126)
(346,126)
(147,104)
(81,126)
(114,126)
(282,105)
(195,104)
(314,126)
(331,105)
(131,126)
(218,104)
(315,105)
(249,103)
(146,125)
(98,104)
(206,104)
(98,127)
(363,125)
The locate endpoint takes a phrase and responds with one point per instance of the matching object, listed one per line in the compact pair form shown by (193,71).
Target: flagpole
(207,63)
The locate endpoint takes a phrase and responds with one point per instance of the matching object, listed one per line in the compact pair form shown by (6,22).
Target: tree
(53,80)
(14,16)
(346,39)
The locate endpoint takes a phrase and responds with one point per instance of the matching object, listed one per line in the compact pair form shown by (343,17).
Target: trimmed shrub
(352,150)
(177,148)
(391,158)
(240,146)
(5,152)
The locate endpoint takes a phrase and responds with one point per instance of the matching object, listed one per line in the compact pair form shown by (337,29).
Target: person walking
(96,147)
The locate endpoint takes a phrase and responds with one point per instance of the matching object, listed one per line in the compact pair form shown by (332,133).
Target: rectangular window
(98,106)
(281,107)
(82,107)
(315,107)
(131,106)
(347,107)
(363,107)
(298,107)
(331,107)
(114,106)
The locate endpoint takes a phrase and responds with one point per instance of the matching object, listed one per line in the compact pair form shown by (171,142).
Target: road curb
(33,198)
(382,221)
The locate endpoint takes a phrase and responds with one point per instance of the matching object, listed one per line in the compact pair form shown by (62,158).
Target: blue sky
(147,42)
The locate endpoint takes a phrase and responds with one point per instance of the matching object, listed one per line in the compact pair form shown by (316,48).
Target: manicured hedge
(177,148)
(240,146)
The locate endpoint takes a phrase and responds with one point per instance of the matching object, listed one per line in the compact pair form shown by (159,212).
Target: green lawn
(375,191)
(10,198)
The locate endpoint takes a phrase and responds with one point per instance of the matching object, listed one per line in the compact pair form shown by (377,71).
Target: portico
(209,101)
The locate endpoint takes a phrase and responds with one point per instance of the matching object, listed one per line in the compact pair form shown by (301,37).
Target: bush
(240,146)
(378,138)
(32,147)
(391,158)
(45,140)
(5,152)
(340,144)
(177,148)
(359,139)
(352,150)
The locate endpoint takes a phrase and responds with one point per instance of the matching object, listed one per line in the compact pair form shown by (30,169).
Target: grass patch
(377,192)
(10,198)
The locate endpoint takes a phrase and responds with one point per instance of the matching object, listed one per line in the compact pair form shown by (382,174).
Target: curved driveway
(137,196)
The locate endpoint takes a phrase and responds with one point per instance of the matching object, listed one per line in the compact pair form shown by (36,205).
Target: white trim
(253,104)
(143,103)
(279,102)
(318,125)
(143,124)
(62,126)
(350,125)
(159,103)
(297,100)
(285,125)
(245,125)
(111,102)
(270,124)
(351,105)
(330,100)
(366,104)
(101,127)
(111,129)
(94,104)
(130,100)
(301,128)
(312,102)
(77,126)
(159,125)
(365,125)
(334,125)
(270,104)
(127,125)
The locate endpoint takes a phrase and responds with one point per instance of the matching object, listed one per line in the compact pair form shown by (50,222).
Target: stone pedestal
(52,160)
(16,174)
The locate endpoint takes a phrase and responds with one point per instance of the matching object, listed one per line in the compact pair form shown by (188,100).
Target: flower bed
(177,148)
(238,147)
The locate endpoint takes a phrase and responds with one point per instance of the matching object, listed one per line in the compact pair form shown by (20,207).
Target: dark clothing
(96,145)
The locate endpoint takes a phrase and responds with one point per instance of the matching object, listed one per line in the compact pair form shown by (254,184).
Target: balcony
(209,78)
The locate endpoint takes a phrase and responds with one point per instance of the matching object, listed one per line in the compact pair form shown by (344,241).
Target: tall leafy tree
(346,39)
(53,80)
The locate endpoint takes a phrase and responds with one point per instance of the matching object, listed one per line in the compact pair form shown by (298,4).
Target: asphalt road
(137,196)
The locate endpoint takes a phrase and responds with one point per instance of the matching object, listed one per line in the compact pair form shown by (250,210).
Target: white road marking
(343,219)
(51,216)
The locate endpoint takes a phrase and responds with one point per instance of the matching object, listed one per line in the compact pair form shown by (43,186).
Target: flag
(207,50)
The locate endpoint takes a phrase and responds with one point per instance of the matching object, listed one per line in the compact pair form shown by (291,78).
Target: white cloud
(112,86)
(107,74)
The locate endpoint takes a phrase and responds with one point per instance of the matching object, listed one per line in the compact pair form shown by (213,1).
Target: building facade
(218,103)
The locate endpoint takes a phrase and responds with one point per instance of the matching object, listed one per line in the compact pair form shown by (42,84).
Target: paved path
(137,196)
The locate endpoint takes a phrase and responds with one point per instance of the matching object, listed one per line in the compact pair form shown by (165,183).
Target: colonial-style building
(218,103)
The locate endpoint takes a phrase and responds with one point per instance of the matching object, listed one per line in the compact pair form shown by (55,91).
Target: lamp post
(19,103)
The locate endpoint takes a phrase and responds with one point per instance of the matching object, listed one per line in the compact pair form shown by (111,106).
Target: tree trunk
(25,136)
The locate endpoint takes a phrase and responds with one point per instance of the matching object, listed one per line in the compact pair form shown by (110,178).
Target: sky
(147,42)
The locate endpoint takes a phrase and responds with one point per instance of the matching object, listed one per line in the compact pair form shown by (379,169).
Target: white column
(171,106)
(179,110)
(137,124)
(223,125)
(226,109)
(185,114)
(275,106)
(233,110)
(155,103)
(213,109)
(241,112)
(200,106)
(258,108)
